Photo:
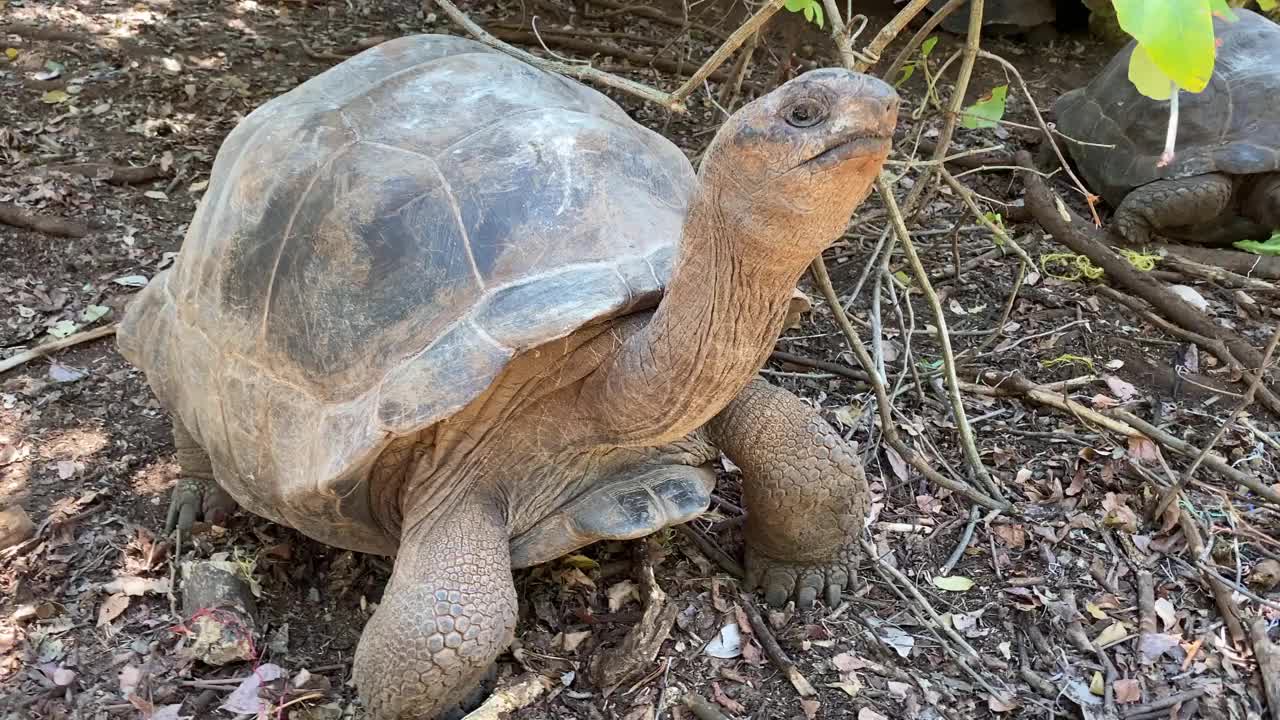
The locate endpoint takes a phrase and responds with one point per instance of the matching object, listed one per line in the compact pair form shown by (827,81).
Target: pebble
(15,526)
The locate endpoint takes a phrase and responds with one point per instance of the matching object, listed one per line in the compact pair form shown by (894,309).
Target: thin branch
(929,26)
(1171,493)
(53,346)
(887,425)
(888,33)
(967,440)
(580,72)
(727,48)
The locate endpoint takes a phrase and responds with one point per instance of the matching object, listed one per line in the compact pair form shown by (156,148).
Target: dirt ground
(85,448)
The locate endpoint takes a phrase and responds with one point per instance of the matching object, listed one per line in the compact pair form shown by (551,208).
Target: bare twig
(15,216)
(887,424)
(888,33)
(773,650)
(929,26)
(1171,493)
(727,48)
(1221,592)
(581,72)
(967,440)
(506,700)
(713,553)
(1015,385)
(633,656)
(965,539)
(1268,657)
(702,708)
(1211,460)
(53,346)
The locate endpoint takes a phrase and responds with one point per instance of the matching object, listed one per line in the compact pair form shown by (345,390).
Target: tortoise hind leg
(1176,203)
(197,495)
(637,502)
(1263,201)
(448,611)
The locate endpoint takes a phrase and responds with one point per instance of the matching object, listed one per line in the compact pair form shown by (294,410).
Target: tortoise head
(788,169)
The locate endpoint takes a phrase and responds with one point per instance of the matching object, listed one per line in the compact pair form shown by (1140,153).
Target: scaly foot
(783,580)
(197,499)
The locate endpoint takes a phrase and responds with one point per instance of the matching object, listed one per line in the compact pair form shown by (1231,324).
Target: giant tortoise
(1223,184)
(439,304)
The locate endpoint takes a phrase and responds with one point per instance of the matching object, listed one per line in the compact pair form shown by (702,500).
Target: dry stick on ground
(1268,657)
(111,174)
(998,384)
(512,697)
(656,15)
(1171,493)
(1215,274)
(1241,263)
(713,553)
(929,26)
(887,425)
(592,47)
(702,708)
(672,101)
(1163,703)
(1066,228)
(967,441)
(1212,460)
(634,656)
(773,650)
(17,217)
(53,346)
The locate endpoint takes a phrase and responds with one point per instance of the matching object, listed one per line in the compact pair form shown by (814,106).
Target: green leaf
(926,47)
(955,583)
(1177,34)
(1268,5)
(988,111)
(907,71)
(1147,77)
(1270,247)
(811,8)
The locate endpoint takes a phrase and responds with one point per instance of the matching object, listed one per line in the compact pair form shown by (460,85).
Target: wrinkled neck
(719,318)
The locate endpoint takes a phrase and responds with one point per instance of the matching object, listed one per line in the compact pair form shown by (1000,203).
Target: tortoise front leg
(448,611)
(1171,204)
(197,496)
(805,492)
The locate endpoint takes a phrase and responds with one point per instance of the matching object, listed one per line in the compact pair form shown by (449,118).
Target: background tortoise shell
(376,245)
(1232,126)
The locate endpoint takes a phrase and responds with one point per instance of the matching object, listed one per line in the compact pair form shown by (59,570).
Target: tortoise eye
(806,113)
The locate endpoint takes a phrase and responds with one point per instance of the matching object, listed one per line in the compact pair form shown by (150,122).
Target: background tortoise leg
(448,611)
(1263,202)
(1172,203)
(637,502)
(805,492)
(197,495)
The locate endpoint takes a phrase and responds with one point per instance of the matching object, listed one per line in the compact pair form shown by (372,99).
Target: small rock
(1265,575)
(15,526)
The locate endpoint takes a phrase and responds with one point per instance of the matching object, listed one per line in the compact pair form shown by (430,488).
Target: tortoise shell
(376,245)
(1232,126)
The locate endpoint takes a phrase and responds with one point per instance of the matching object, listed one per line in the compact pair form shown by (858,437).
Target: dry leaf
(129,678)
(998,704)
(725,701)
(954,583)
(111,608)
(1167,614)
(810,708)
(1113,633)
(1141,448)
(1120,388)
(867,713)
(620,593)
(571,640)
(133,585)
(1127,691)
(1096,684)
(1013,536)
(1097,612)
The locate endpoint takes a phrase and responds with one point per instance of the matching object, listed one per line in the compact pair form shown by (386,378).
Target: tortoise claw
(804,582)
(197,499)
